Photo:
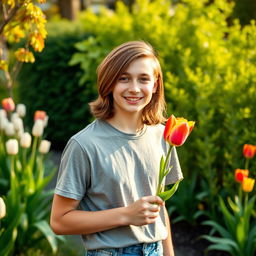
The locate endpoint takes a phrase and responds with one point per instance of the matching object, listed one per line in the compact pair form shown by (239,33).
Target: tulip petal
(179,134)
(169,125)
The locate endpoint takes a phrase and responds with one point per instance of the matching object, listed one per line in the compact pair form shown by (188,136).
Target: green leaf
(222,231)
(44,227)
(222,247)
(167,194)
(220,240)
(229,219)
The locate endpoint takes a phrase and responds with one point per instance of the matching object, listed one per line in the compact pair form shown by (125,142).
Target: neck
(128,124)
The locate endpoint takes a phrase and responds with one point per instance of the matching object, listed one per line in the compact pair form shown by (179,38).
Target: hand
(143,211)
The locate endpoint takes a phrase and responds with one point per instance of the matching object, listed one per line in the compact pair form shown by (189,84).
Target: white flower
(3,122)
(18,124)
(14,116)
(44,146)
(38,128)
(25,140)
(46,120)
(9,129)
(2,113)
(21,110)
(2,208)
(12,147)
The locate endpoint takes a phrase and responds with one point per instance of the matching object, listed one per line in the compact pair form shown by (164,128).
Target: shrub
(53,85)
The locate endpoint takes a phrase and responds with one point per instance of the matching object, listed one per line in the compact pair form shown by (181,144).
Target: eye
(123,79)
(145,79)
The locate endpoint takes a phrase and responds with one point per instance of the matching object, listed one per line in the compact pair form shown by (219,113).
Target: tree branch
(11,15)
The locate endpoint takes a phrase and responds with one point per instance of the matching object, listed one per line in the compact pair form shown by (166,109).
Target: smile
(133,99)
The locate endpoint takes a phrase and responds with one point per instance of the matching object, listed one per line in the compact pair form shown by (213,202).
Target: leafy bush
(53,85)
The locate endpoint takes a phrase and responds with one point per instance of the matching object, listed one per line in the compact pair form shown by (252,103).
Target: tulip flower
(8,104)
(38,128)
(18,124)
(25,140)
(12,147)
(248,184)
(44,146)
(2,113)
(175,133)
(21,110)
(177,130)
(2,208)
(39,114)
(249,151)
(240,174)
(3,122)
(9,129)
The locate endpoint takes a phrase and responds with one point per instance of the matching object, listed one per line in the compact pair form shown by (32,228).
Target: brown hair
(110,69)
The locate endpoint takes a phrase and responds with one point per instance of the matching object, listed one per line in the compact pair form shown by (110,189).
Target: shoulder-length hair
(110,69)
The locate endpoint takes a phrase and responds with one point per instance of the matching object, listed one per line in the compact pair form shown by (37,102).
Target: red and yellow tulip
(240,174)
(248,184)
(249,150)
(177,130)
(8,104)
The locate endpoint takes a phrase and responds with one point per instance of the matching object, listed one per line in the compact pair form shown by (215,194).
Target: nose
(134,87)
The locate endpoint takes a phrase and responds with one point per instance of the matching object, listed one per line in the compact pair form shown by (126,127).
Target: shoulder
(88,136)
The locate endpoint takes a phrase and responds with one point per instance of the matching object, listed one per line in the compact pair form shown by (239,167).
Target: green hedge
(50,84)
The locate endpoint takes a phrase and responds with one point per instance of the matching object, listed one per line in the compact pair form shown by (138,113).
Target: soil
(187,242)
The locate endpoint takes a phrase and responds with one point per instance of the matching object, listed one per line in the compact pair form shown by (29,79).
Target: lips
(133,99)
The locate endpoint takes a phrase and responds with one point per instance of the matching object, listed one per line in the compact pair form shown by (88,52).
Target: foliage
(21,19)
(23,178)
(53,85)
(238,235)
(186,203)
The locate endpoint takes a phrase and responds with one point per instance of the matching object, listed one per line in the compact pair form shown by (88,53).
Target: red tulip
(249,151)
(177,130)
(240,174)
(39,114)
(8,104)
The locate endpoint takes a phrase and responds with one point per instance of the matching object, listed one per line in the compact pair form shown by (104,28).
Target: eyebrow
(142,74)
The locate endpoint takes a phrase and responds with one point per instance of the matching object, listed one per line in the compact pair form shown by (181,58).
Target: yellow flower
(248,184)
(24,55)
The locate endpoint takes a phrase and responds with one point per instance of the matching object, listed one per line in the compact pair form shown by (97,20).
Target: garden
(48,77)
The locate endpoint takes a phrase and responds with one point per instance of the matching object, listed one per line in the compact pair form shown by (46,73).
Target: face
(135,87)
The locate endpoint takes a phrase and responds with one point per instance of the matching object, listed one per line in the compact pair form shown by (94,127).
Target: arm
(167,243)
(67,220)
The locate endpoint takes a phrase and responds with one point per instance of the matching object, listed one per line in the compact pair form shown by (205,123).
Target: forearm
(86,222)
(167,243)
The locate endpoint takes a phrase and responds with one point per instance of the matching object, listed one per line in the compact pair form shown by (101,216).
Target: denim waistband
(138,249)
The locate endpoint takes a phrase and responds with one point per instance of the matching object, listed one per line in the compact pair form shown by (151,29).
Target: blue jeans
(151,249)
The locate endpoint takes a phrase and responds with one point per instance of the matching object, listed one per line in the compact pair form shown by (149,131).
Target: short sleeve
(175,173)
(74,172)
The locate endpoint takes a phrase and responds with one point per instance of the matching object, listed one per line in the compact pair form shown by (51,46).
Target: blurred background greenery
(208,56)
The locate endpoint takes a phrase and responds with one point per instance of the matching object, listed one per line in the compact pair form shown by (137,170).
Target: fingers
(154,200)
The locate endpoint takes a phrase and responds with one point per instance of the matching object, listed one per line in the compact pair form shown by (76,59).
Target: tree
(21,21)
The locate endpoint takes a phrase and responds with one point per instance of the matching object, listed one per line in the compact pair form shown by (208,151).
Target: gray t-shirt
(105,168)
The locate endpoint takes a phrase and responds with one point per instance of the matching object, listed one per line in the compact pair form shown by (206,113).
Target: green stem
(246,163)
(159,186)
(33,154)
(245,201)
(240,193)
